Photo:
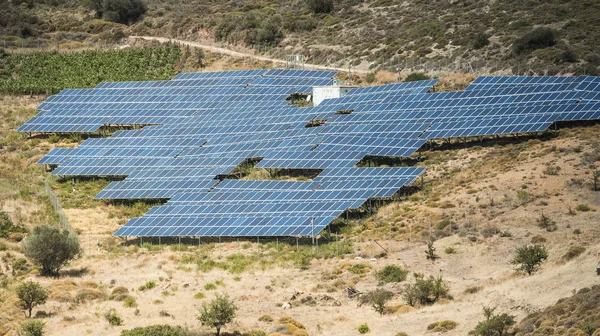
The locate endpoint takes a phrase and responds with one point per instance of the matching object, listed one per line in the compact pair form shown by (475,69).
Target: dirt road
(226,51)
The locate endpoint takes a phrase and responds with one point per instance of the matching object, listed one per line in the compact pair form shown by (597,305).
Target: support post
(313,231)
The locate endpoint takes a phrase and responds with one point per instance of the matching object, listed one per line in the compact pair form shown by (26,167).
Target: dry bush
(442,326)
(86,294)
(573,252)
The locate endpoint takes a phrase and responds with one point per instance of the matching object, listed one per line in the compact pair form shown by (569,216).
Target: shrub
(51,248)
(391,273)
(113,317)
(210,286)
(130,302)
(363,328)
(359,268)
(155,330)
(546,223)
(450,250)
(320,6)
(121,11)
(31,294)
(219,312)
(442,326)
(481,40)
(573,252)
(494,325)
(31,328)
(536,39)
(416,76)
(528,258)
(6,225)
(425,290)
(19,266)
(147,286)
(401,333)
(537,239)
(265,318)
(370,77)
(583,207)
(270,33)
(199,296)
(377,299)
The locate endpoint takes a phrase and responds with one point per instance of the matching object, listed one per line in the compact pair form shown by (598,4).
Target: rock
(473,238)
(286,305)
(186,285)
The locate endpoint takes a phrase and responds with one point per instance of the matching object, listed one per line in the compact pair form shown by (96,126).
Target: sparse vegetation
(147,286)
(528,258)
(31,294)
(51,248)
(546,223)
(583,208)
(156,330)
(450,250)
(573,252)
(430,252)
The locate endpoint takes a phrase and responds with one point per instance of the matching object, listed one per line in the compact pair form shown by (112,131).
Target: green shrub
(528,258)
(155,330)
(199,295)
(426,291)
(450,250)
(147,286)
(363,328)
(377,299)
(391,273)
(265,318)
(6,225)
(370,77)
(536,39)
(320,6)
(130,302)
(416,76)
(113,317)
(31,328)
(493,325)
(359,268)
(19,266)
(121,11)
(583,207)
(430,252)
(442,326)
(210,286)
(481,40)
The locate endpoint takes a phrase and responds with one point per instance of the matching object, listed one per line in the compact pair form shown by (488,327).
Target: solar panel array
(199,127)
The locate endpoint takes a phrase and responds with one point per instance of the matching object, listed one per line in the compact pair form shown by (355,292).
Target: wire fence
(64,221)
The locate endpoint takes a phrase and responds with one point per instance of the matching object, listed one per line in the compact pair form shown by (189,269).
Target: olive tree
(220,311)
(51,248)
(30,295)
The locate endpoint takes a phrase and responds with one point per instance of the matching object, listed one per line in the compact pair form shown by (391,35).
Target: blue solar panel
(198,127)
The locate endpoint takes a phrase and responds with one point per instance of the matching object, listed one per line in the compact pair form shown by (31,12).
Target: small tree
(51,248)
(30,295)
(377,299)
(220,311)
(494,325)
(431,251)
(320,6)
(528,258)
(546,223)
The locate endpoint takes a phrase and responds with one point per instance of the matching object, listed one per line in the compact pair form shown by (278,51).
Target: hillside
(541,37)
(481,201)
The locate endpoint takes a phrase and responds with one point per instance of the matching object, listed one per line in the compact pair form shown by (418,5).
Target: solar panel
(197,128)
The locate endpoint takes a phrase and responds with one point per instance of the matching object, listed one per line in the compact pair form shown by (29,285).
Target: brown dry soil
(485,188)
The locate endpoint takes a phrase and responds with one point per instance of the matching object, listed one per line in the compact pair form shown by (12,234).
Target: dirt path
(237,53)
